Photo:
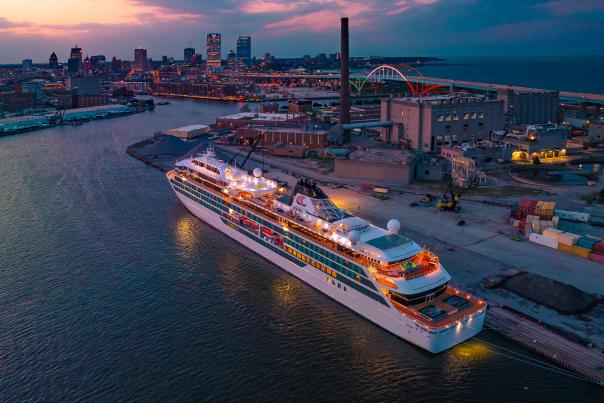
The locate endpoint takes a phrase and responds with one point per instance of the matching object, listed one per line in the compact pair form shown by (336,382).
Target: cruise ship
(378,273)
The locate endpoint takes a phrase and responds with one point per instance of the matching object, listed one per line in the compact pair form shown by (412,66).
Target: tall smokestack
(345,79)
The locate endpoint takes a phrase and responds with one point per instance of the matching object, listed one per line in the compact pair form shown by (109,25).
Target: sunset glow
(60,16)
(292,27)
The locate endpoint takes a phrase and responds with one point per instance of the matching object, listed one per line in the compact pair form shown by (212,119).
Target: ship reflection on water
(285,293)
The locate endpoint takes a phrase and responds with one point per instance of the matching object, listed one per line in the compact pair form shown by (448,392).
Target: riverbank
(76,116)
(473,253)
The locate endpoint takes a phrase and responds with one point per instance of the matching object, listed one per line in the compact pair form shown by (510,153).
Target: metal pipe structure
(344,80)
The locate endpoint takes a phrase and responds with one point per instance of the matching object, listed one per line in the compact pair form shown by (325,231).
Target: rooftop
(260,116)
(384,155)
(454,98)
(191,128)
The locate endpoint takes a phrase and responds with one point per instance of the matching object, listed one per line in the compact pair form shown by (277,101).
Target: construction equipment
(449,200)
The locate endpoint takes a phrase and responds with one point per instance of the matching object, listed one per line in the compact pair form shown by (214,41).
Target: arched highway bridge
(391,73)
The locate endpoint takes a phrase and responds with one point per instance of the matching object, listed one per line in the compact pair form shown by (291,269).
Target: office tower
(97,61)
(244,49)
(53,61)
(116,65)
(140,59)
(188,56)
(74,64)
(213,51)
(27,64)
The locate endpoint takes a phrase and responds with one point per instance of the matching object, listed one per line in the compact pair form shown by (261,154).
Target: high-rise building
(188,56)
(213,51)
(27,64)
(244,49)
(76,53)
(232,60)
(74,64)
(53,61)
(140,59)
(116,65)
(97,61)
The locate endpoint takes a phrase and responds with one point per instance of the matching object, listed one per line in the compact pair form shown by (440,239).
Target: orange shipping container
(574,250)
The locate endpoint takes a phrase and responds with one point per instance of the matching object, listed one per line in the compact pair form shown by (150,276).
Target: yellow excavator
(449,200)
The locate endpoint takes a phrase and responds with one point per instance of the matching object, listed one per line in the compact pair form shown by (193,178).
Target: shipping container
(567,238)
(572,215)
(596,257)
(551,233)
(587,242)
(542,240)
(599,248)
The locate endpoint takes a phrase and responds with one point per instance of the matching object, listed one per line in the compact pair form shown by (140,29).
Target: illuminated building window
(466,116)
(441,118)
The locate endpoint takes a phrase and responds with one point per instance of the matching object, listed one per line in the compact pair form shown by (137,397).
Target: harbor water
(110,290)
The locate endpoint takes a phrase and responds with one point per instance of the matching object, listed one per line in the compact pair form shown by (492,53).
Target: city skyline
(389,27)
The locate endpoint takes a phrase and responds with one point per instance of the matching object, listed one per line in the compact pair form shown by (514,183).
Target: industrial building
(190,131)
(97,112)
(22,123)
(547,142)
(529,107)
(595,131)
(284,135)
(358,113)
(382,165)
(288,150)
(244,119)
(299,106)
(428,123)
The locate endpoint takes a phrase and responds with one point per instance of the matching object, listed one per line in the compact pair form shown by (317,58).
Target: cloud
(263,7)
(34,28)
(323,15)
(71,17)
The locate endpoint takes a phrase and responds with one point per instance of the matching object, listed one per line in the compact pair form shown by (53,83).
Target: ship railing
(302,228)
(453,315)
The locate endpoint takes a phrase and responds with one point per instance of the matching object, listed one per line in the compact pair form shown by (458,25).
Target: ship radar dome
(257,172)
(394,226)
(354,237)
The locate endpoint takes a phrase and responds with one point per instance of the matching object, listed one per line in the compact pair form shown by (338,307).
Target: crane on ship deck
(252,148)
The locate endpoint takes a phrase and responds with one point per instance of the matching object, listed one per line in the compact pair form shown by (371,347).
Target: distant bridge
(416,81)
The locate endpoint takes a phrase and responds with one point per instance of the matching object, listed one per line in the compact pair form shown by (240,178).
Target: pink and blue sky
(287,28)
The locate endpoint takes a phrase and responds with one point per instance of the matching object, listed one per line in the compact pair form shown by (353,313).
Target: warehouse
(189,132)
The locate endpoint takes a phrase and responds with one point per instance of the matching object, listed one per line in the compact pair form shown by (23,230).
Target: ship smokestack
(344,80)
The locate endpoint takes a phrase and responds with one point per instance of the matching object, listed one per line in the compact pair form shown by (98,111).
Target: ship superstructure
(379,273)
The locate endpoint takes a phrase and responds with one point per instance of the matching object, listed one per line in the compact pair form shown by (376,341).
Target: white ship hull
(388,318)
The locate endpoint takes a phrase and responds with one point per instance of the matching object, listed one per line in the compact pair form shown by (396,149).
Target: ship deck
(420,312)
(445,309)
